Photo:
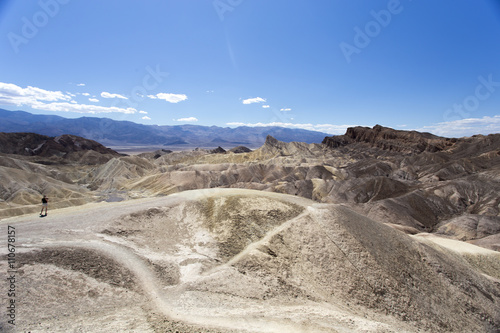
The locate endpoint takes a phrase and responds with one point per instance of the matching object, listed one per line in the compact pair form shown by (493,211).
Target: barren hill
(33,164)
(233,260)
(31,144)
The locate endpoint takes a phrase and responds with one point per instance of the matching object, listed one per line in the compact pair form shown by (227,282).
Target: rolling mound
(235,260)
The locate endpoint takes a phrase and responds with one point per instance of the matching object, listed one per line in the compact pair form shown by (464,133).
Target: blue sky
(321,65)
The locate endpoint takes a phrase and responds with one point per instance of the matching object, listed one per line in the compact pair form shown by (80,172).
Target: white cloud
(80,108)
(266,106)
(95,100)
(325,128)
(47,100)
(105,94)
(85,94)
(465,127)
(143,112)
(81,84)
(146,118)
(286,110)
(188,119)
(254,100)
(172,98)
(11,94)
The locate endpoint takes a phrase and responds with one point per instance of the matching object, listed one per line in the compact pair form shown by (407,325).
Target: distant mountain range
(112,133)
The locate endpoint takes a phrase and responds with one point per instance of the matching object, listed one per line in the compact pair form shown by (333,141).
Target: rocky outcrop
(240,150)
(274,147)
(31,144)
(218,150)
(390,139)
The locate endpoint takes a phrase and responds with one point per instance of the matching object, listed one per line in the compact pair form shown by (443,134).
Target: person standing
(45,204)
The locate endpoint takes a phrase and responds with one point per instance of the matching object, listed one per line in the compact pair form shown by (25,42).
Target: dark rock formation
(390,139)
(218,150)
(240,149)
(31,144)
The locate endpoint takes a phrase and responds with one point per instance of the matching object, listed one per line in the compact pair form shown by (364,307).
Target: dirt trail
(161,299)
(62,226)
(220,296)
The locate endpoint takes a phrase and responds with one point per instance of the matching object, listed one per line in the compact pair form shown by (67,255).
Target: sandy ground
(180,264)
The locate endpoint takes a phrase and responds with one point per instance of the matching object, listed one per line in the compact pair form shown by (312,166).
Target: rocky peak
(271,141)
(218,150)
(273,146)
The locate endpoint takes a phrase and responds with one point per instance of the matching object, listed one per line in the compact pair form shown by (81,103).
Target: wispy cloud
(146,118)
(105,94)
(188,119)
(143,112)
(254,100)
(266,106)
(465,127)
(85,94)
(285,109)
(95,100)
(11,94)
(81,108)
(41,99)
(81,84)
(325,128)
(171,98)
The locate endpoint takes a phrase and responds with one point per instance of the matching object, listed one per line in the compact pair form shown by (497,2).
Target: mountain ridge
(112,132)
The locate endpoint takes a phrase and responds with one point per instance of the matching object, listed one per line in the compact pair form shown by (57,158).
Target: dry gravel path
(79,228)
